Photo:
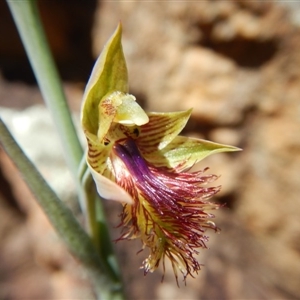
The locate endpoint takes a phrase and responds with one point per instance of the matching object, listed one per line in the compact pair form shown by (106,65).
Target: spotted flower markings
(139,159)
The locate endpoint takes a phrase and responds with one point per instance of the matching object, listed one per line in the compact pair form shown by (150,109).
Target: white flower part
(109,190)
(129,112)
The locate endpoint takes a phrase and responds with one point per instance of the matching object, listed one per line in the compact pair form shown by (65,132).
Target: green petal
(161,129)
(184,152)
(97,154)
(109,74)
(107,112)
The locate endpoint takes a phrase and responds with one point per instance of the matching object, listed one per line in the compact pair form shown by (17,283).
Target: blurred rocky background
(237,63)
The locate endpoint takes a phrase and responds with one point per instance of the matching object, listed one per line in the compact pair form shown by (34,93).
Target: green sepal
(184,152)
(161,129)
(109,74)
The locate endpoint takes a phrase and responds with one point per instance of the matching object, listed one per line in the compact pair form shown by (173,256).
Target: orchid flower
(138,159)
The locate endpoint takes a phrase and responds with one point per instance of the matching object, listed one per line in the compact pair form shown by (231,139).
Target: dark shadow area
(68,29)
(228,201)
(245,52)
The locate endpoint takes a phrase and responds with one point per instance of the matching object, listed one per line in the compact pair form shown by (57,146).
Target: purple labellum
(178,206)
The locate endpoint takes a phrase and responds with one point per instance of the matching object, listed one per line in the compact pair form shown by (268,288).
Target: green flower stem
(26,17)
(96,220)
(97,226)
(63,221)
